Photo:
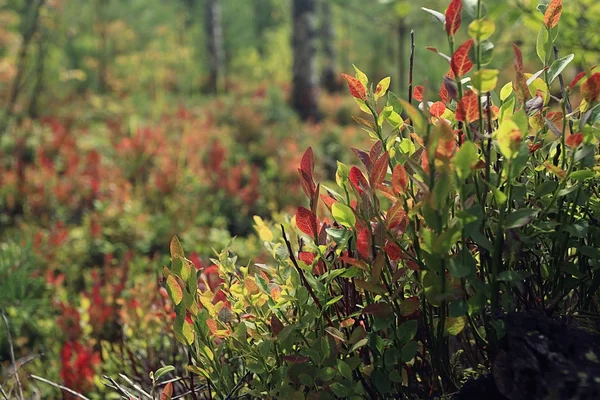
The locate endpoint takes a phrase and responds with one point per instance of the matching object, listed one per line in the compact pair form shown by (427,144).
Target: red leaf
(576,80)
(379,170)
(393,251)
(418,93)
(307,165)
(167,392)
(399,179)
(467,109)
(591,88)
(358,180)
(444,96)
(328,200)
(306,257)
(575,140)
(306,221)
(356,87)
(453,17)
(461,64)
(363,243)
(437,109)
(553,13)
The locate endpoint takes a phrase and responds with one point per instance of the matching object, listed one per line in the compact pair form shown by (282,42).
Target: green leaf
(558,67)
(174,289)
(344,369)
(418,121)
(409,350)
(341,175)
(465,159)
(511,276)
(359,344)
(518,218)
(582,175)
(343,215)
(506,91)
(407,331)
(481,29)
(508,136)
(542,42)
(163,371)
(454,326)
(485,80)
(438,15)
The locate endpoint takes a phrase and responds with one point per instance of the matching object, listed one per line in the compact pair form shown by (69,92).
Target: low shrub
(395,284)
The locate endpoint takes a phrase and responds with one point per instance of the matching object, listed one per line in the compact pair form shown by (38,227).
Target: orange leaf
(591,88)
(467,109)
(306,221)
(553,13)
(574,140)
(461,64)
(328,200)
(437,109)
(399,180)
(453,17)
(357,89)
(167,392)
(418,93)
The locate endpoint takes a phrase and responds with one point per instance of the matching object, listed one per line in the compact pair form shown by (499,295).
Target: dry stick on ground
(21,61)
(12,355)
(56,385)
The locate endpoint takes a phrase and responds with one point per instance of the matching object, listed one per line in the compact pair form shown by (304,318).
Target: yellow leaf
(382,87)
(361,76)
(485,80)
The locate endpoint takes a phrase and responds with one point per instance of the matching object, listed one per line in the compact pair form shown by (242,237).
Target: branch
(12,355)
(56,385)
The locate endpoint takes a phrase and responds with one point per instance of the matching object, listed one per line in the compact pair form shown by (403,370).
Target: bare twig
(412,66)
(114,385)
(137,387)
(61,387)
(304,280)
(12,355)
(3,393)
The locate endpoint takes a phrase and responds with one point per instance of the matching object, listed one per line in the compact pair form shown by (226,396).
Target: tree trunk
(329,79)
(215,46)
(305,91)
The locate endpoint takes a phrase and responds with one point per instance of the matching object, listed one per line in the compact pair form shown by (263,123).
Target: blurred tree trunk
(263,10)
(215,46)
(328,76)
(402,58)
(305,90)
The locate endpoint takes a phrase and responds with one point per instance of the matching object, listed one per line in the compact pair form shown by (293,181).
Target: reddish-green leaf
(176,248)
(467,109)
(379,170)
(357,89)
(518,58)
(328,200)
(461,64)
(409,306)
(399,179)
(306,221)
(590,90)
(453,17)
(395,215)
(276,325)
(553,13)
(378,309)
(307,167)
(167,392)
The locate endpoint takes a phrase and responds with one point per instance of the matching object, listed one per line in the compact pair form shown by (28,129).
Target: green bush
(395,283)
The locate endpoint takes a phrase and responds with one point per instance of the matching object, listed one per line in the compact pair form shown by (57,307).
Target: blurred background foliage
(125,122)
